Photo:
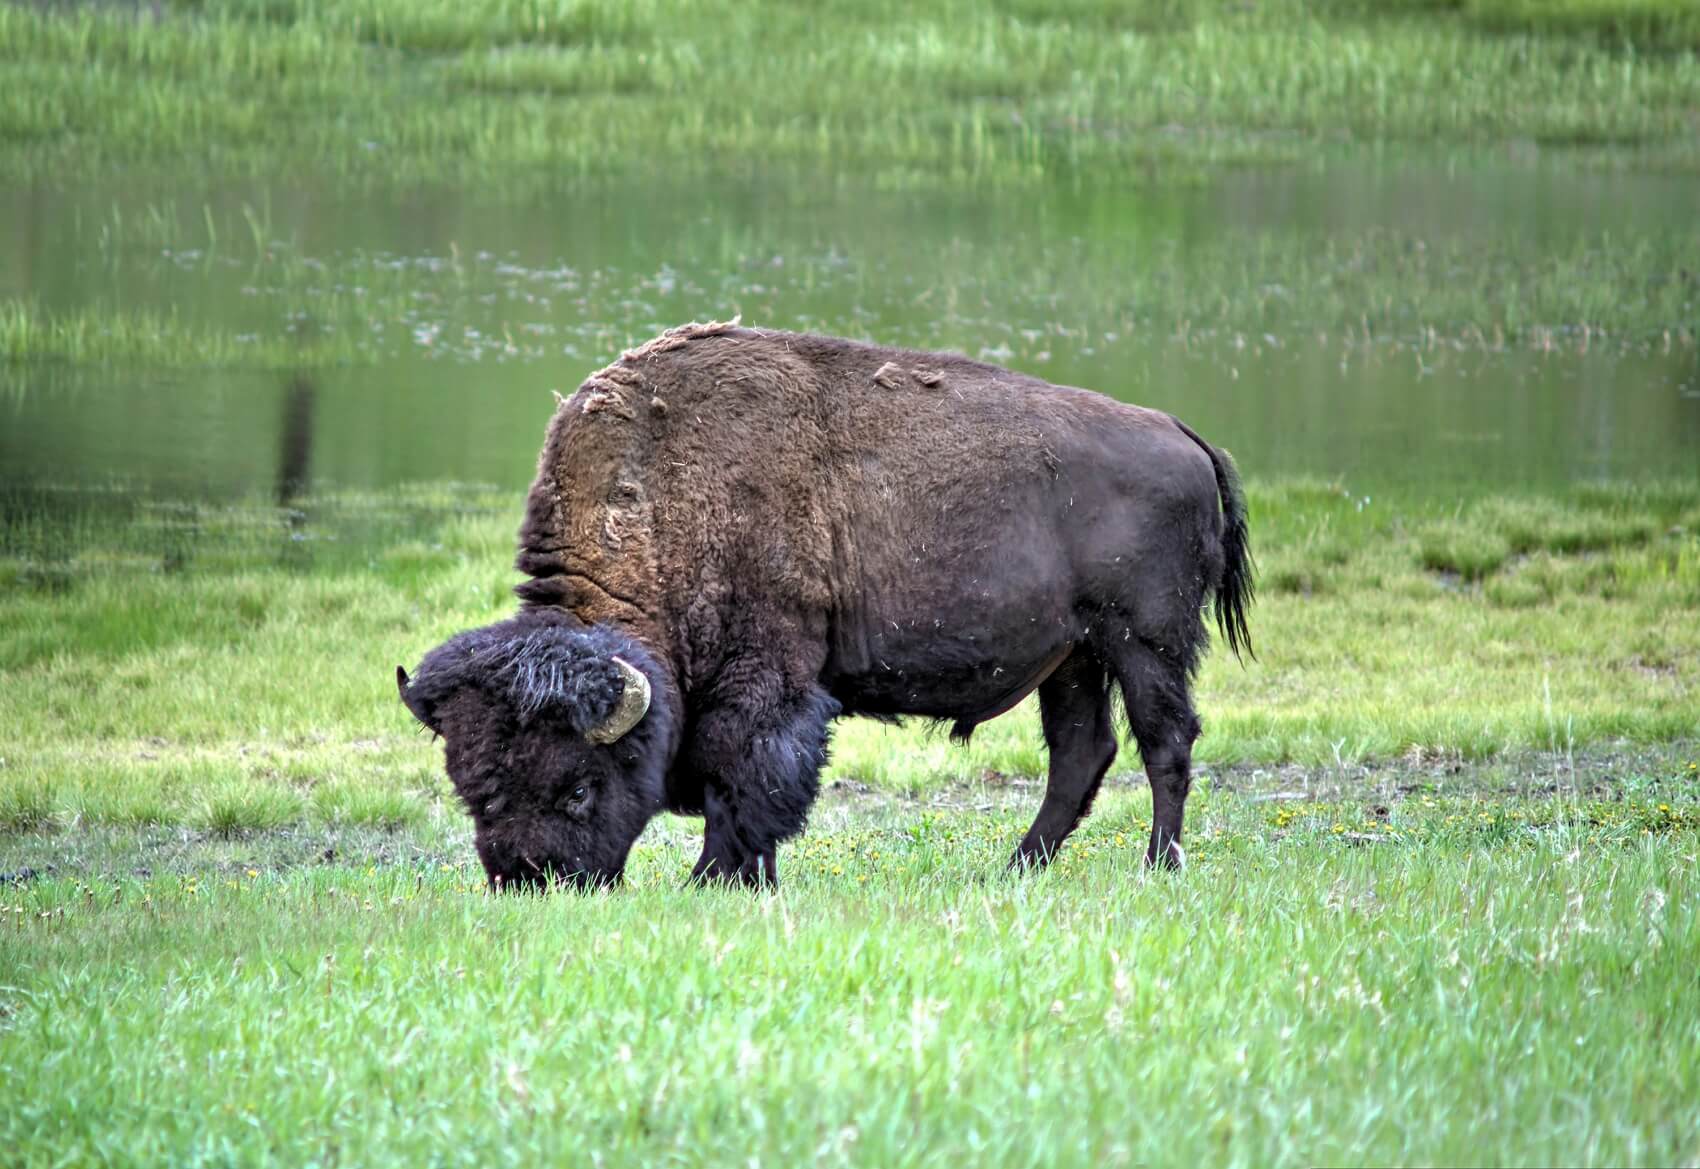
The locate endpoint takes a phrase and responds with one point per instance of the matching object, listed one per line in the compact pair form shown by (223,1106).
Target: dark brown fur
(793,527)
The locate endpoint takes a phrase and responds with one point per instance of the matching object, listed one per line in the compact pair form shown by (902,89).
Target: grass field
(1438,968)
(384,91)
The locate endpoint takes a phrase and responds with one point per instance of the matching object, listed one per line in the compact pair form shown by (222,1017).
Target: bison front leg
(726,857)
(760,766)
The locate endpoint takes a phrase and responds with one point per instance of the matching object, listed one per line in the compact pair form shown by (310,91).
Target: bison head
(557,736)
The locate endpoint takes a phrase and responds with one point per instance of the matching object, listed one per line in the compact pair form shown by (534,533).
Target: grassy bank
(1644,26)
(383,91)
(1380,980)
(224,668)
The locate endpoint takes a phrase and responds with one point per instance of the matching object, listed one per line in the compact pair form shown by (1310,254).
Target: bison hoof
(758,872)
(1172,856)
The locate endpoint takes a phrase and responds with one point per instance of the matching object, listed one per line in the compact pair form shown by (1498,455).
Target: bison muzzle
(735,536)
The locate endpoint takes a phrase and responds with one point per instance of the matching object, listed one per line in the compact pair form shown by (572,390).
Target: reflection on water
(295,439)
(1390,329)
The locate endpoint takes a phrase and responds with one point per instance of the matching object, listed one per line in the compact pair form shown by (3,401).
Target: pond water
(1392,328)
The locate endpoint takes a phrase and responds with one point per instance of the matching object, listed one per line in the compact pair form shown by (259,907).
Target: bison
(737,535)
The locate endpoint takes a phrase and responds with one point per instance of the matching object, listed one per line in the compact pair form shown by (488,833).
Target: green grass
(384,92)
(1640,26)
(1466,975)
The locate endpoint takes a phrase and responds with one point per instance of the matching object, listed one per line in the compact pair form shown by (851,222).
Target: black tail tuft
(1237,590)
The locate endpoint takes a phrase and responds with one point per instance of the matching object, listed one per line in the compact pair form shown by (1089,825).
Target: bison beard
(735,536)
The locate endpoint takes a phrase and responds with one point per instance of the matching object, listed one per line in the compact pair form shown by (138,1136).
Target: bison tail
(1237,590)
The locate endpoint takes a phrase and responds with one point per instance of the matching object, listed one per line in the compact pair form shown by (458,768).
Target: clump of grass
(1665,500)
(1143,16)
(1289,577)
(1308,572)
(1521,591)
(1546,525)
(102,790)
(446,26)
(234,807)
(365,804)
(1462,548)
(28,803)
(559,72)
(1640,26)
(1563,536)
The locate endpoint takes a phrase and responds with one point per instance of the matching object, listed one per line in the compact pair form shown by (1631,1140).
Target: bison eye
(576,801)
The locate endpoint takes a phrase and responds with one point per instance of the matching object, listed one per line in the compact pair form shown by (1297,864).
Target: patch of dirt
(1597,773)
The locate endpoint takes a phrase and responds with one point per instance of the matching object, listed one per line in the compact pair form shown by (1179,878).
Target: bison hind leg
(1156,685)
(1074,710)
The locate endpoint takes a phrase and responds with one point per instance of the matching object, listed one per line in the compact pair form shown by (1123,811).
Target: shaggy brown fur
(793,526)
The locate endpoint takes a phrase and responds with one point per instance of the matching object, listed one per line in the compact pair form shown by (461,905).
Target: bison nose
(588,881)
(518,881)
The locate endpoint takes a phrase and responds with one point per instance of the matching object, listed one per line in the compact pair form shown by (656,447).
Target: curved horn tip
(633,705)
(401,680)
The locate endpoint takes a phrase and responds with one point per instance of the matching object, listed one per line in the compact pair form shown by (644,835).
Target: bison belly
(963,633)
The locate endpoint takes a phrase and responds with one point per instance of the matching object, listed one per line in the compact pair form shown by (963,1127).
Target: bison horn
(634,703)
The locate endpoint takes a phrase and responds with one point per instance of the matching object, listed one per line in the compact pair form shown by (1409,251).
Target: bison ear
(414,702)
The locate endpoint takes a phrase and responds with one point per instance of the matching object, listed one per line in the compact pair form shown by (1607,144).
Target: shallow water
(1233,302)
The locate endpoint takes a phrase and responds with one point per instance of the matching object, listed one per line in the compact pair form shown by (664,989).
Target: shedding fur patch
(896,377)
(891,375)
(679,336)
(608,389)
(614,386)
